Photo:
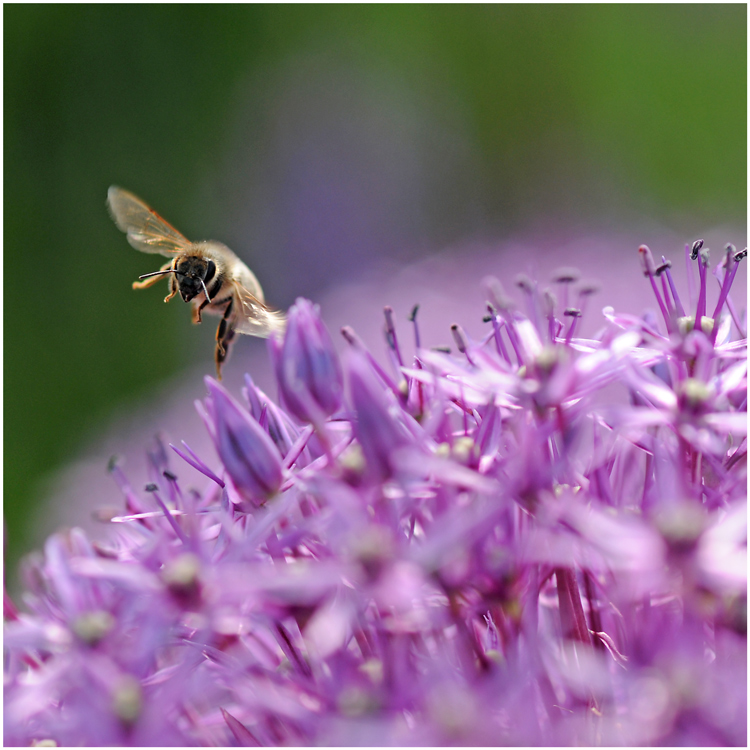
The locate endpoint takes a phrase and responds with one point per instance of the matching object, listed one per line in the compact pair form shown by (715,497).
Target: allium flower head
(538,540)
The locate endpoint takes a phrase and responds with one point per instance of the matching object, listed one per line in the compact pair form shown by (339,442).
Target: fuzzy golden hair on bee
(206,274)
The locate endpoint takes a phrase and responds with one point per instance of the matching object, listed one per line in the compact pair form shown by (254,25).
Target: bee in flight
(208,274)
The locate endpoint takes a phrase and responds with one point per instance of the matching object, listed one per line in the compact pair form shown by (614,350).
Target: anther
(497,294)
(390,333)
(566,275)
(523,282)
(458,337)
(697,245)
(647,259)
(413,319)
(588,288)
(348,333)
(388,312)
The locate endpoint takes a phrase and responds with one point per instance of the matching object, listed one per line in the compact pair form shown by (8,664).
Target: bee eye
(210,271)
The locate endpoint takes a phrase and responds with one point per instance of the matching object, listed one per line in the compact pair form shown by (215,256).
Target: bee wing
(146,230)
(254,318)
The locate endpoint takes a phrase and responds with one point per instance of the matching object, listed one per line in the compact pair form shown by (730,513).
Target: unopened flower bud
(374,549)
(378,427)
(247,452)
(275,421)
(681,526)
(694,394)
(182,574)
(127,700)
(307,366)
(91,627)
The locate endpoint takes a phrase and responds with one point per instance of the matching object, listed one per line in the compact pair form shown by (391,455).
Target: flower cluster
(538,540)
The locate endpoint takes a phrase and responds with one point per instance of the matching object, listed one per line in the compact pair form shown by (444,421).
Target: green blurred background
(282,130)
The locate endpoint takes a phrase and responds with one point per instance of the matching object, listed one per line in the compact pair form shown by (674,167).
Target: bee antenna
(157,273)
(205,290)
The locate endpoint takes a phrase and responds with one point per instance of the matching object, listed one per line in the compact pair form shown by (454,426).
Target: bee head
(192,273)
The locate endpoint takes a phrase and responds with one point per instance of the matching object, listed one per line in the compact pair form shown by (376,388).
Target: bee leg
(222,351)
(222,332)
(172,288)
(197,311)
(224,335)
(146,283)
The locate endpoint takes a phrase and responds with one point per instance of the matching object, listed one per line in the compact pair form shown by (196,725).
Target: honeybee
(208,274)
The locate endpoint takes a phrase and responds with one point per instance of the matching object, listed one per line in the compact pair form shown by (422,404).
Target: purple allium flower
(250,457)
(379,421)
(307,367)
(539,540)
